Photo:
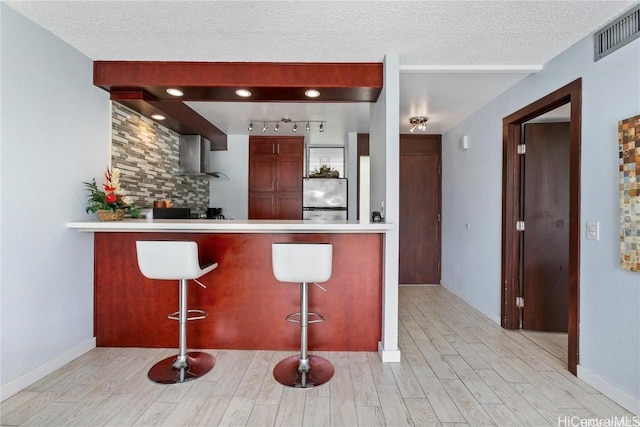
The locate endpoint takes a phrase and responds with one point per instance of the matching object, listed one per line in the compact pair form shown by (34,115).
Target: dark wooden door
(545,240)
(419,254)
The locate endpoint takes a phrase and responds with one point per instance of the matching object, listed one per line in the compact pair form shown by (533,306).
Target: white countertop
(229,226)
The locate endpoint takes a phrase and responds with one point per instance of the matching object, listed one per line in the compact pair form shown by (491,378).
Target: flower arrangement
(325,172)
(112,199)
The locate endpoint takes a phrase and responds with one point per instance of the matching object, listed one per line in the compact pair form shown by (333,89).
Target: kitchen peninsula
(245,303)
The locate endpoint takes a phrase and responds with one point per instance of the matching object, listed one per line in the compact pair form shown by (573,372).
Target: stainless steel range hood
(194,158)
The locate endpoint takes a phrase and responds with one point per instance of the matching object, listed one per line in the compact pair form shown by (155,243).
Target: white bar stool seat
(176,260)
(303,263)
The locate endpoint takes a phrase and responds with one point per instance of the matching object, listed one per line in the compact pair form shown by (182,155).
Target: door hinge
(522,149)
(519,225)
(438,265)
(439,169)
(438,217)
(520,302)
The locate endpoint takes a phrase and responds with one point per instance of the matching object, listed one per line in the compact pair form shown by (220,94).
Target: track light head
(264,127)
(277,128)
(321,128)
(295,127)
(250,128)
(307,128)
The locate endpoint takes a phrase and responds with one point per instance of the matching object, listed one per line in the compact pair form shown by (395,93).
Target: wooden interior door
(420,200)
(545,240)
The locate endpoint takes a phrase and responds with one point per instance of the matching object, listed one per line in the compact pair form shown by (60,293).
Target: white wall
(352,172)
(384,153)
(55,135)
(609,297)
(233,195)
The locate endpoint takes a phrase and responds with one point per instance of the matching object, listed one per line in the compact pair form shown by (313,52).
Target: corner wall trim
(388,356)
(611,391)
(42,371)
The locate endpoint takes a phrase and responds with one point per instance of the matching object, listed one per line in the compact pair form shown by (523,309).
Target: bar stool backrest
(302,262)
(169,260)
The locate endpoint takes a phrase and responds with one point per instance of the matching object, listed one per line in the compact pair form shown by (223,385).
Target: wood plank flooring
(458,368)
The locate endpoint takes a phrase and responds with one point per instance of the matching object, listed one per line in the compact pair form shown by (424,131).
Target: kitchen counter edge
(229,226)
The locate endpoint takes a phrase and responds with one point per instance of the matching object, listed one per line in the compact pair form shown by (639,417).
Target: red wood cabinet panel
(289,173)
(262,173)
(276,167)
(262,205)
(246,304)
(288,205)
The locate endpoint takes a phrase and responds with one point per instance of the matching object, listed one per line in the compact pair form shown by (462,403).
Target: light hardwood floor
(458,368)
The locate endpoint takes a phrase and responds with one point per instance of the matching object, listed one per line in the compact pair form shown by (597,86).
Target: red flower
(111,197)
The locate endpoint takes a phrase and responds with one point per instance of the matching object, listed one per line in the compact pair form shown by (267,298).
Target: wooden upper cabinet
(276,167)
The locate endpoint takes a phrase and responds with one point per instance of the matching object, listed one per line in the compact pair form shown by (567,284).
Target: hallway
(457,367)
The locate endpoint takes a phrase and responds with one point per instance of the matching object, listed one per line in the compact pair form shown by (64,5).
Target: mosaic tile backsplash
(147,155)
(629,148)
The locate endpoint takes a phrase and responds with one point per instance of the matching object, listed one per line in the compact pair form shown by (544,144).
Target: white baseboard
(24,381)
(493,317)
(609,390)
(388,355)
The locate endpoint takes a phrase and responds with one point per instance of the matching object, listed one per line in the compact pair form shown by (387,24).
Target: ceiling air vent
(617,33)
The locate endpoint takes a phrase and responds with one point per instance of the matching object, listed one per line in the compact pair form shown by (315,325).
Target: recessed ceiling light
(312,93)
(158,117)
(243,93)
(174,92)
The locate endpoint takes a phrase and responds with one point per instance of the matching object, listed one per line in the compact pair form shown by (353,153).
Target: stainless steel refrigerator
(324,199)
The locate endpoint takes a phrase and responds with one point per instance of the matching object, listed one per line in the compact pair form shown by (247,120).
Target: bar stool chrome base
(197,364)
(288,372)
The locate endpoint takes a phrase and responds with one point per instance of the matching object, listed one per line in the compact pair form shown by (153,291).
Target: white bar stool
(303,263)
(177,260)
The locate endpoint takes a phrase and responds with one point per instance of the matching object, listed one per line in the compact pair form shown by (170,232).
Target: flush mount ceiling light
(312,93)
(419,123)
(285,120)
(175,92)
(243,93)
(158,117)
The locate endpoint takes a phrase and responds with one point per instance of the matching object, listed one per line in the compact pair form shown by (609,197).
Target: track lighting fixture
(419,123)
(285,121)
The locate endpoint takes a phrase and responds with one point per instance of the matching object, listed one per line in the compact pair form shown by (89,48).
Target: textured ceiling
(428,35)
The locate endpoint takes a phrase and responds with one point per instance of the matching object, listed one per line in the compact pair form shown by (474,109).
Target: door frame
(511,138)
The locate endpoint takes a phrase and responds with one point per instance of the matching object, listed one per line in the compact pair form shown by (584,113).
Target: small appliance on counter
(171,213)
(214,213)
(324,199)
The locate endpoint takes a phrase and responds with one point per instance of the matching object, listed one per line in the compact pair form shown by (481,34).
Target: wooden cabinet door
(289,146)
(289,205)
(262,146)
(262,205)
(263,173)
(276,167)
(289,173)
